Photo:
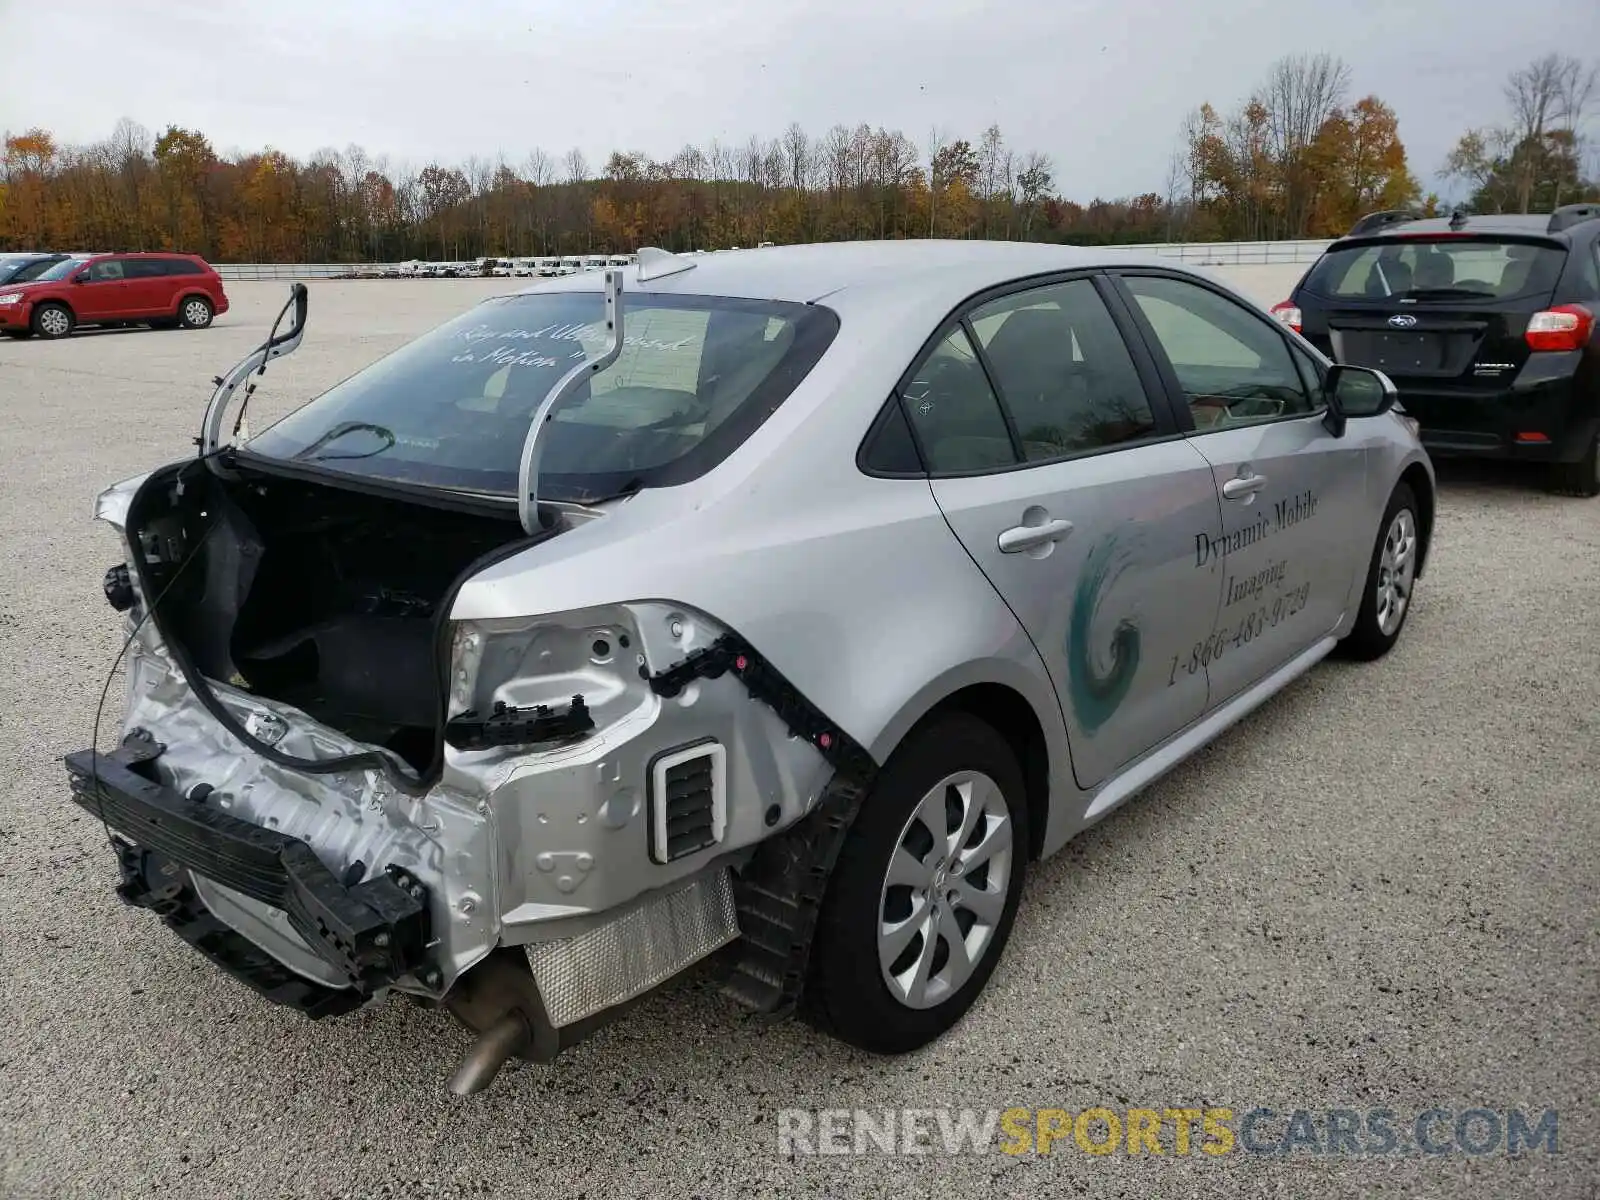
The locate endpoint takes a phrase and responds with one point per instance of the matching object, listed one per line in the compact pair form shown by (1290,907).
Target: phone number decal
(1241,633)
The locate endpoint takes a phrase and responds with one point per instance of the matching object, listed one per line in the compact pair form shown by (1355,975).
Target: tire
(195,312)
(849,993)
(1394,562)
(1581,478)
(53,320)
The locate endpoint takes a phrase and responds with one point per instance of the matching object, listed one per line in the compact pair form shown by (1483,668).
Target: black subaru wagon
(1486,324)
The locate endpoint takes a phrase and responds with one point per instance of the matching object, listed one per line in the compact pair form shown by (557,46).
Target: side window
(178,266)
(1310,372)
(1233,366)
(1591,272)
(144,268)
(106,269)
(1063,370)
(954,410)
(33,270)
(889,449)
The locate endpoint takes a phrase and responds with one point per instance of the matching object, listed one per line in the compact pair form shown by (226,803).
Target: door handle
(1027,537)
(1244,485)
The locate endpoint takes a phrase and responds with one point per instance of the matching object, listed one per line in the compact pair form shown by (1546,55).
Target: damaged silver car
(778,608)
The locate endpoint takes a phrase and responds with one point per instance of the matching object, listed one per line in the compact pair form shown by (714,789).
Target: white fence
(1215,254)
(1233,254)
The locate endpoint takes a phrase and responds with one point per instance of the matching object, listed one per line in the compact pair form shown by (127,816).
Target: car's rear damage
(334,791)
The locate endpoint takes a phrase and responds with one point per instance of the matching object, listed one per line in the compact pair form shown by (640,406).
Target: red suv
(160,290)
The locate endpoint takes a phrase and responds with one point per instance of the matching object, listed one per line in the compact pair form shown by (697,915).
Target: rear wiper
(338,431)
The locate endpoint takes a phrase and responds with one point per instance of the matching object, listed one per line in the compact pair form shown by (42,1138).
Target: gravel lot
(1378,892)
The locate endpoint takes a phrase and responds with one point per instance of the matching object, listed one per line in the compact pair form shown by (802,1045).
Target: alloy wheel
(1397,570)
(945,889)
(54,322)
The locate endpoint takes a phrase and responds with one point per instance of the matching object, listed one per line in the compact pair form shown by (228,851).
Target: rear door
(148,286)
(1444,317)
(1292,495)
(1060,467)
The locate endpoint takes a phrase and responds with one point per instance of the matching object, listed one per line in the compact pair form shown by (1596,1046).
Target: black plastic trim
(374,932)
(151,881)
(508,725)
(779,897)
(732,654)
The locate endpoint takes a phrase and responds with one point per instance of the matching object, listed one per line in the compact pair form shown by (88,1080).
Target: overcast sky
(1100,87)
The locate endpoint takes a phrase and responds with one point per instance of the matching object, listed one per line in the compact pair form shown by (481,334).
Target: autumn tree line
(1300,157)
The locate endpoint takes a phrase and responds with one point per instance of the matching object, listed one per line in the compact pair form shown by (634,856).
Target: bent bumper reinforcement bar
(373,932)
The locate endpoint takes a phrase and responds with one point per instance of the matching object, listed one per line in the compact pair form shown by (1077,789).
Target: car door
(1056,461)
(1291,493)
(103,294)
(149,287)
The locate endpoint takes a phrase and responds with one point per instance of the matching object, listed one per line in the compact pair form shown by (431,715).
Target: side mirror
(81,277)
(1356,392)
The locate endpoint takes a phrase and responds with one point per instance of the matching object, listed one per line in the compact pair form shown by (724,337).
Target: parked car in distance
(792,600)
(1486,324)
(24,268)
(164,291)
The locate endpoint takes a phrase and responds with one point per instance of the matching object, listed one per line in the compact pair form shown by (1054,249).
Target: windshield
(61,270)
(696,376)
(1444,269)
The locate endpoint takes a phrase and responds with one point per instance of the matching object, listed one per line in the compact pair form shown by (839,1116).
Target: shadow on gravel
(1516,477)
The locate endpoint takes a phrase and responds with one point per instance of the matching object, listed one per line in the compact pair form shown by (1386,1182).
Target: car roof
(806,273)
(1516,224)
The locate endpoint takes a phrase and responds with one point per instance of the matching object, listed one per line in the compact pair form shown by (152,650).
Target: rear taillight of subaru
(1567,327)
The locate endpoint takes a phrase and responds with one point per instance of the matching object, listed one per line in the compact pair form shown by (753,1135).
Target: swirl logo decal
(1098,687)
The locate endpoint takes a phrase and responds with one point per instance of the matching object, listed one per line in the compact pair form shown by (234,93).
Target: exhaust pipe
(494,1047)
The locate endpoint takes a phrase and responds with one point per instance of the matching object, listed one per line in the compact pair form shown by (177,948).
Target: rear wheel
(52,320)
(1391,579)
(1581,478)
(923,897)
(195,312)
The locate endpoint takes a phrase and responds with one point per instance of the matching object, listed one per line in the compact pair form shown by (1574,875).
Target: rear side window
(144,268)
(180,266)
(1446,268)
(696,376)
(1063,370)
(955,412)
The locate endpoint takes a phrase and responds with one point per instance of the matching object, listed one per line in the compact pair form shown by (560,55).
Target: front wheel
(1581,478)
(1391,580)
(195,312)
(925,891)
(52,320)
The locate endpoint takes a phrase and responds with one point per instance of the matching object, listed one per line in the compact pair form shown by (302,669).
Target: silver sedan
(781,606)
